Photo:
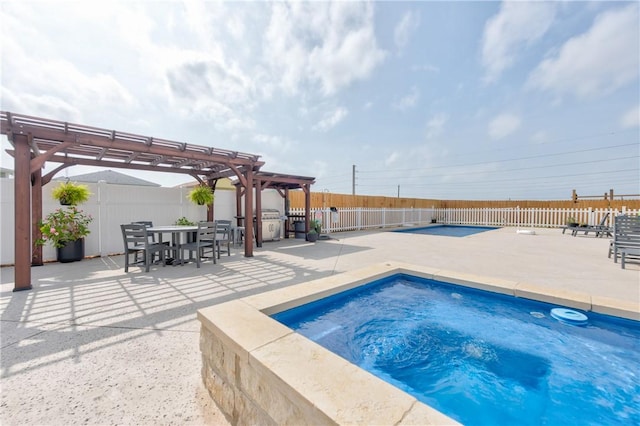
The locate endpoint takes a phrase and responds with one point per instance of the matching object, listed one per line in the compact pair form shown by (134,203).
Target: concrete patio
(90,344)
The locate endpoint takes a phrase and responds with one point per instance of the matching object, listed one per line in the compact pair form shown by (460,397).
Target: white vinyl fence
(368,218)
(111,205)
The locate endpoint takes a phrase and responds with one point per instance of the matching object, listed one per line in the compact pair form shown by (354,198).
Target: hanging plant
(71,194)
(201,195)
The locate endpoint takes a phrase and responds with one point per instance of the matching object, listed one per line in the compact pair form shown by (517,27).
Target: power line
(600,160)
(519,179)
(507,160)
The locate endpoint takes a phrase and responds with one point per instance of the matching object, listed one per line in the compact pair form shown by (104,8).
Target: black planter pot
(312,237)
(73,251)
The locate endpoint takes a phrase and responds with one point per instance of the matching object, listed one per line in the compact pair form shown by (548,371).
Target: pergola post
(258,186)
(211,183)
(307,206)
(248,213)
(36,217)
(22,212)
(286,212)
(239,206)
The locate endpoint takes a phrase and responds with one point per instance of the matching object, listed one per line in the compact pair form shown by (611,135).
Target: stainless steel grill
(271,224)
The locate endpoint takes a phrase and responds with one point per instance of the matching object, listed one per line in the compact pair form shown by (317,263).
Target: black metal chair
(205,240)
(137,242)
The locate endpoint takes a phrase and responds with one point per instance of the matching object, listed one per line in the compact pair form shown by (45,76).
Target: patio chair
(223,236)
(137,242)
(152,236)
(205,236)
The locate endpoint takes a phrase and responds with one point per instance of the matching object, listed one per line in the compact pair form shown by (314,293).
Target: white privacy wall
(111,205)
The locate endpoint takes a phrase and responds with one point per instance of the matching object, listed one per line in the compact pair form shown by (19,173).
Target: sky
(444,100)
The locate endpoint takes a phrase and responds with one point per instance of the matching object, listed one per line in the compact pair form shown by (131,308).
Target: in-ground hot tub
(260,372)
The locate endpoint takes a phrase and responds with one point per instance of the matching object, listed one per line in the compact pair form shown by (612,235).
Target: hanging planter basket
(71,194)
(201,195)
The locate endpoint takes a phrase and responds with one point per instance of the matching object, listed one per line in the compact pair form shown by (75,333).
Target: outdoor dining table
(177,232)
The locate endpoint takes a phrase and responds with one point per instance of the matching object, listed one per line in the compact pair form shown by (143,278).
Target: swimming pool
(245,352)
(479,357)
(448,230)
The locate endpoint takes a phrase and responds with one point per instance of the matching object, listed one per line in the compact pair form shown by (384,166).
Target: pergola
(38,140)
(282,183)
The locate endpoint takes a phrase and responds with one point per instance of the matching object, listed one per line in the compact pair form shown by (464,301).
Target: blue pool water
(479,357)
(448,230)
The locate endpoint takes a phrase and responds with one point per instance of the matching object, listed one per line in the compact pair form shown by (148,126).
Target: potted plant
(183,221)
(201,195)
(70,193)
(315,227)
(65,229)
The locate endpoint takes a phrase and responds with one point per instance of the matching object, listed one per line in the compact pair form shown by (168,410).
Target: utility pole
(398,191)
(353,180)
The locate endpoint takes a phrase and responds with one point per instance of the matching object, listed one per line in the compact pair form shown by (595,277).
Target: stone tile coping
(342,391)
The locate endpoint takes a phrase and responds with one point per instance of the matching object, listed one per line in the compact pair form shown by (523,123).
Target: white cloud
(503,125)
(53,84)
(601,60)
(408,24)
(331,119)
(212,90)
(435,125)
(392,158)
(408,101)
(214,67)
(331,44)
(516,25)
(631,118)
(540,137)
(272,143)
(367,106)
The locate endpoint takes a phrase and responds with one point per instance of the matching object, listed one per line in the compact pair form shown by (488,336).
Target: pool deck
(90,344)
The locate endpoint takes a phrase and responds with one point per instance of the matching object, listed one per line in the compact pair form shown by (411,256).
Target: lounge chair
(600,230)
(570,227)
(626,239)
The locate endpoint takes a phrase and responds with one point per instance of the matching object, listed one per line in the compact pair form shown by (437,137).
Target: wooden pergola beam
(75,161)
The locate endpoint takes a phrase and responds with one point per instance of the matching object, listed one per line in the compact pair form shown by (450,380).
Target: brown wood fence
(325,199)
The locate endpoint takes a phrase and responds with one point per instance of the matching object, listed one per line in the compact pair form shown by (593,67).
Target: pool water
(479,357)
(448,230)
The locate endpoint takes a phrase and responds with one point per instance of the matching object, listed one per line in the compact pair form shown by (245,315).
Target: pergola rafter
(37,140)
